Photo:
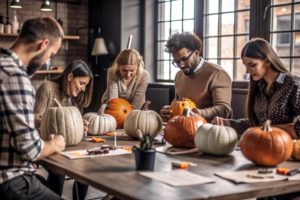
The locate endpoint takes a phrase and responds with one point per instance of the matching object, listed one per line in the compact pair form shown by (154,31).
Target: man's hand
(58,142)
(166,113)
(55,144)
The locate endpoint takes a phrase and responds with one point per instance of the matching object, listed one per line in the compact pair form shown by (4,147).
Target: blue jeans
(27,187)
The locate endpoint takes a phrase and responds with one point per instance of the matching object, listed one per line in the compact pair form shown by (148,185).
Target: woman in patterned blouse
(273,94)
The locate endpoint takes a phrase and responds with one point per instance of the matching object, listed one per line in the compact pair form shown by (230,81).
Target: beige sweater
(45,97)
(135,92)
(209,88)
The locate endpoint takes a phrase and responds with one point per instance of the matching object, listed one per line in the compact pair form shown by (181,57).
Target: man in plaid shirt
(20,143)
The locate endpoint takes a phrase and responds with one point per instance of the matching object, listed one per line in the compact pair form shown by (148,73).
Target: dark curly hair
(187,40)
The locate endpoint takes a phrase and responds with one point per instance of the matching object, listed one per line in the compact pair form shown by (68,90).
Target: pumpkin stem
(186,112)
(146,105)
(101,109)
(267,126)
(57,102)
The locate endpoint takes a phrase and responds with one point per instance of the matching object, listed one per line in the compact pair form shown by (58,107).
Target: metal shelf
(67,37)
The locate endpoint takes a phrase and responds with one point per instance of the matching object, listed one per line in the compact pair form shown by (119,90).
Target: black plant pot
(144,160)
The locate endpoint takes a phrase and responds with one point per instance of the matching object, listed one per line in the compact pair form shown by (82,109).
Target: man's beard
(192,68)
(191,71)
(35,63)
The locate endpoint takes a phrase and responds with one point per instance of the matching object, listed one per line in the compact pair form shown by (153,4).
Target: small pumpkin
(100,123)
(267,146)
(177,106)
(147,121)
(65,121)
(180,130)
(119,109)
(296,150)
(215,139)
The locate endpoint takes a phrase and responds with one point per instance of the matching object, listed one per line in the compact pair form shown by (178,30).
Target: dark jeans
(27,187)
(56,184)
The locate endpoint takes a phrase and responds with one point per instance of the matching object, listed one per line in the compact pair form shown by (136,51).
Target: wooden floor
(93,194)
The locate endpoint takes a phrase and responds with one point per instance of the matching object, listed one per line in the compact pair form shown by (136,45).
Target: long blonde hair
(128,57)
(259,48)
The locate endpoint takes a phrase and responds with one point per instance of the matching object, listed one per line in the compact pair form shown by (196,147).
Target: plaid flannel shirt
(20,143)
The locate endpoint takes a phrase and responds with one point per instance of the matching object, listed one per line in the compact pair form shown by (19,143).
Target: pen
(286,171)
(293,172)
(182,165)
(259,176)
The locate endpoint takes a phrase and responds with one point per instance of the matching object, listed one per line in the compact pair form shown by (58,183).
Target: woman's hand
(86,126)
(289,128)
(166,113)
(220,121)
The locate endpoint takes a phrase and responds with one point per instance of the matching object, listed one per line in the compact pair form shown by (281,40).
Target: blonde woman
(127,79)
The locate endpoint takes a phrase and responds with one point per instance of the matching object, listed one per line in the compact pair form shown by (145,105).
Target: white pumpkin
(65,121)
(215,139)
(148,121)
(100,123)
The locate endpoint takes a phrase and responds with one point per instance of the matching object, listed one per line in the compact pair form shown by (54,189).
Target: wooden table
(117,175)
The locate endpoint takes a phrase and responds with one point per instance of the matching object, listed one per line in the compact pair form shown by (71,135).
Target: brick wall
(72,15)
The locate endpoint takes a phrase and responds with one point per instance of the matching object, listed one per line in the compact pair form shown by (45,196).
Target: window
(226,30)
(225,26)
(173,16)
(285,32)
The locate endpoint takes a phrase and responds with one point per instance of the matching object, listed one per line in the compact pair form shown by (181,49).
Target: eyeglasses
(182,61)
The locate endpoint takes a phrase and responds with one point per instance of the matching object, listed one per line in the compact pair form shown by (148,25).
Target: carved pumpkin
(180,130)
(100,123)
(147,121)
(216,140)
(119,109)
(296,150)
(65,121)
(266,146)
(178,106)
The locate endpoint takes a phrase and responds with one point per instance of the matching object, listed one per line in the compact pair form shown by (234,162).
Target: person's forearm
(48,149)
(218,110)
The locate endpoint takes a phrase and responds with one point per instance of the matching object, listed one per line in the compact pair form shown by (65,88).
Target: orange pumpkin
(178,106)
(296,150)
(180,130)
(119,109)
(266,146)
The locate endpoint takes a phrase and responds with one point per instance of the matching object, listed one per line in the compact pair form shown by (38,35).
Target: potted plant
(145,154)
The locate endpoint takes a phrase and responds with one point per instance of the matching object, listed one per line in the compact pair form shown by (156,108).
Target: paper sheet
(168,149)
(83,154)
(250,176)
(178,177)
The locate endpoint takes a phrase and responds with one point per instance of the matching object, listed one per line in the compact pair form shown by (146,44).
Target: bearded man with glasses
(205,83)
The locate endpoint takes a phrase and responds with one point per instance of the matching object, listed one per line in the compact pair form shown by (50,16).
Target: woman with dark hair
(273,94)
(127,79)
(74,87)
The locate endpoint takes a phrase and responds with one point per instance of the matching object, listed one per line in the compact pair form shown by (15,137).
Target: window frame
(157,40)
(260,26)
